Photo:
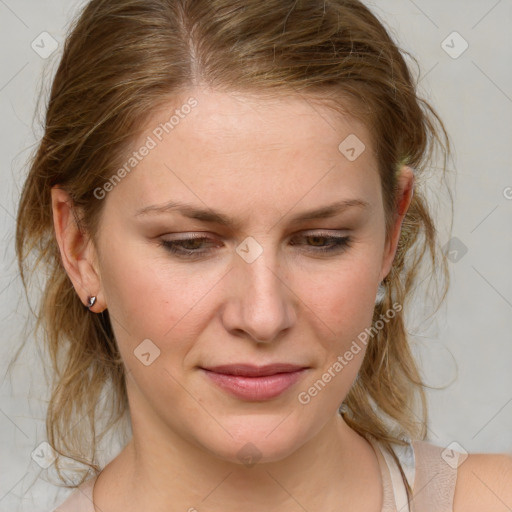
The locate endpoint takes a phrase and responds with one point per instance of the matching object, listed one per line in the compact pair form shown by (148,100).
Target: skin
(260,162)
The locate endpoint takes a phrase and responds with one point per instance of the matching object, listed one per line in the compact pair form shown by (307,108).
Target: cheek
(340,309)
(150,298)
(342,299)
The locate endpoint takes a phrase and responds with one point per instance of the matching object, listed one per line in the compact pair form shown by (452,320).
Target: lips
(255,383)
(247,370)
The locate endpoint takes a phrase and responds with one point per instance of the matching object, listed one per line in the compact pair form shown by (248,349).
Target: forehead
(261,121)
(233,145)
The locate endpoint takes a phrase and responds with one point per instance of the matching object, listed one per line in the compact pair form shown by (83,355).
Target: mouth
(255,383)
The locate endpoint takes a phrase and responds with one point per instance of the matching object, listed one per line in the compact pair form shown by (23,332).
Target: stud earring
(90,302)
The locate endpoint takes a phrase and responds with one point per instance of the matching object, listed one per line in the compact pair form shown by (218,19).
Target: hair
(122,61)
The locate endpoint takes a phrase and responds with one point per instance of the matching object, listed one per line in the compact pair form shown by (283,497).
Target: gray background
(466,347)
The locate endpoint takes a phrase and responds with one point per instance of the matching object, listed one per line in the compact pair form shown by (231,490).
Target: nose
(260,303)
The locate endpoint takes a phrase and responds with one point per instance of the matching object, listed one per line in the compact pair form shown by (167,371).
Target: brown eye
(186,247)
(327,243)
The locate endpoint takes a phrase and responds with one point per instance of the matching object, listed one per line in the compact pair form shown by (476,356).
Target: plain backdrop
(465,51)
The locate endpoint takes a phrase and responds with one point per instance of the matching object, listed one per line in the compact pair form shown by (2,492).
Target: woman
(225,201)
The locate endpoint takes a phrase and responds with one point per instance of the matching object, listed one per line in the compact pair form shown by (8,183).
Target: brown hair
(126,58)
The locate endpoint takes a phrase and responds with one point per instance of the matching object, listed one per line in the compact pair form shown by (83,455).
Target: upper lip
(248,370)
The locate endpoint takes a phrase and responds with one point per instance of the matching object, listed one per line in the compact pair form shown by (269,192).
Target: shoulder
(451,479)
(484,482)
(80,500)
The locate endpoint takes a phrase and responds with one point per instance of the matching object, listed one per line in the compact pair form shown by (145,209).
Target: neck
(336,461)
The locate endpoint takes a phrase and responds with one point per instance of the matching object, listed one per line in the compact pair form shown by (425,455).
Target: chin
(252,441)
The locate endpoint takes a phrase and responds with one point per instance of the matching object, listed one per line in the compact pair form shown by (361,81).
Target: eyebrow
(216,217)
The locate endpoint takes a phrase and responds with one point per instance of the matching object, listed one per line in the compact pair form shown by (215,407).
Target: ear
(76,249)
(404,196)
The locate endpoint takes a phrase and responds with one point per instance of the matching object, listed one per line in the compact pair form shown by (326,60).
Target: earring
(381,293)
(90,302)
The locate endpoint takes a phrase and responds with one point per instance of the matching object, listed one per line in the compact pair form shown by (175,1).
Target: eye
(326,243)
(187,247)
(197,246)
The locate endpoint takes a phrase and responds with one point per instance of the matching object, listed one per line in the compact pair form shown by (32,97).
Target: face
(238,270)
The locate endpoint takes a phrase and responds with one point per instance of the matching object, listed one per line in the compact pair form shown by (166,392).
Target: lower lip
(255,388)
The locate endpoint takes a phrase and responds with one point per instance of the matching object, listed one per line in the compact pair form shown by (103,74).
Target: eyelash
(338,244)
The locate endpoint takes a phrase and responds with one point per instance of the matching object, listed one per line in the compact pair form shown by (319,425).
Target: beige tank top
(431,476)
